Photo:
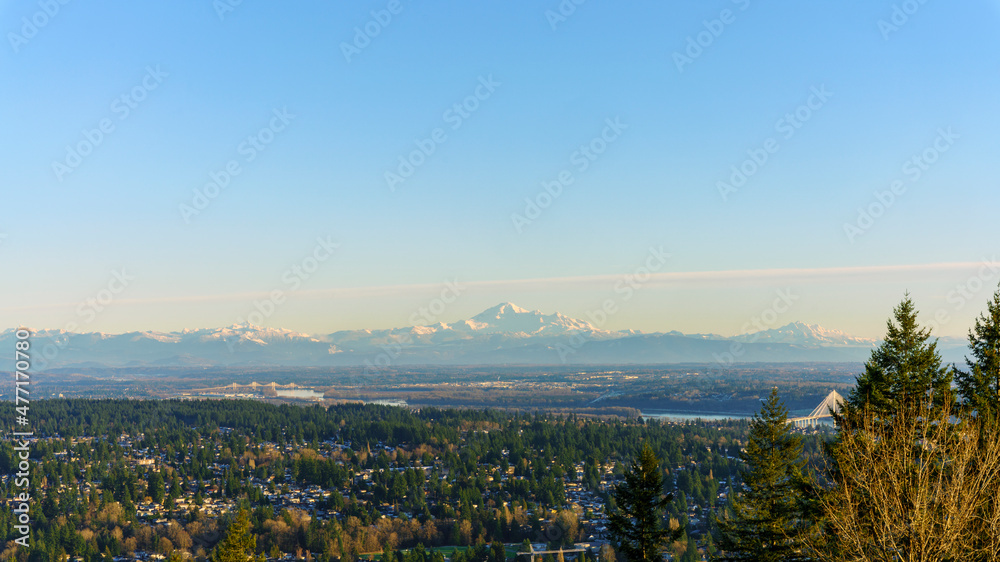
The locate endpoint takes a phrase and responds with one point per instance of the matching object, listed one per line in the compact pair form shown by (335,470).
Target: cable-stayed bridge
(833,401)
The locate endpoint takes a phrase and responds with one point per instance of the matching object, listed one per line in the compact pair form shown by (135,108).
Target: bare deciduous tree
(922,487)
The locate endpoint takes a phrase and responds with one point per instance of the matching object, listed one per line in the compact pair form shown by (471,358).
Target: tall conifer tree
(637,524)
(239,544)
(903,370)
(979,387)
(766,514)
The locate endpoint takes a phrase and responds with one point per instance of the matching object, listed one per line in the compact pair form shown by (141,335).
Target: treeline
(448,477)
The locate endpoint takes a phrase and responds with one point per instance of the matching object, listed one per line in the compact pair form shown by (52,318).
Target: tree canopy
(766,512)
(979,387)
(904,369)
(637,526)
(240,544)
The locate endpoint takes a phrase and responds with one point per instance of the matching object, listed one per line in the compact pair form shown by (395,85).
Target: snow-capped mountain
(800,333)
(245,344)
(505,323)
(509,318)
(503,334)
(247,333)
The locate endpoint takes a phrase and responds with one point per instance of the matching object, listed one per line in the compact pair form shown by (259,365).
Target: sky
(321,166)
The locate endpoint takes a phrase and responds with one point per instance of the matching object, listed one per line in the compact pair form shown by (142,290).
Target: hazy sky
(167,165)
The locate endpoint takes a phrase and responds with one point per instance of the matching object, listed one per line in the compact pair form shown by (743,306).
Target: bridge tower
(833,402)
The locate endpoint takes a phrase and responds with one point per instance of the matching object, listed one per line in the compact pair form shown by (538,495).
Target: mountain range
(504,334)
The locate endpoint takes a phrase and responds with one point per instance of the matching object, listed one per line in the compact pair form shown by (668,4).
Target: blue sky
(204,85)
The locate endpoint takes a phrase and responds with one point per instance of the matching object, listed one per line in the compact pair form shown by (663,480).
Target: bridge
(252,387)
(533,553)
(833,401)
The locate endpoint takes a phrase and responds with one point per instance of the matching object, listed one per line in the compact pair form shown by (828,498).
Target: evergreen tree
(904,369)
(690,551)
(637,524)
(155,488)
(239,544)
(388,555)
(979,387)
(766,517)
(497,552)
(710,549)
